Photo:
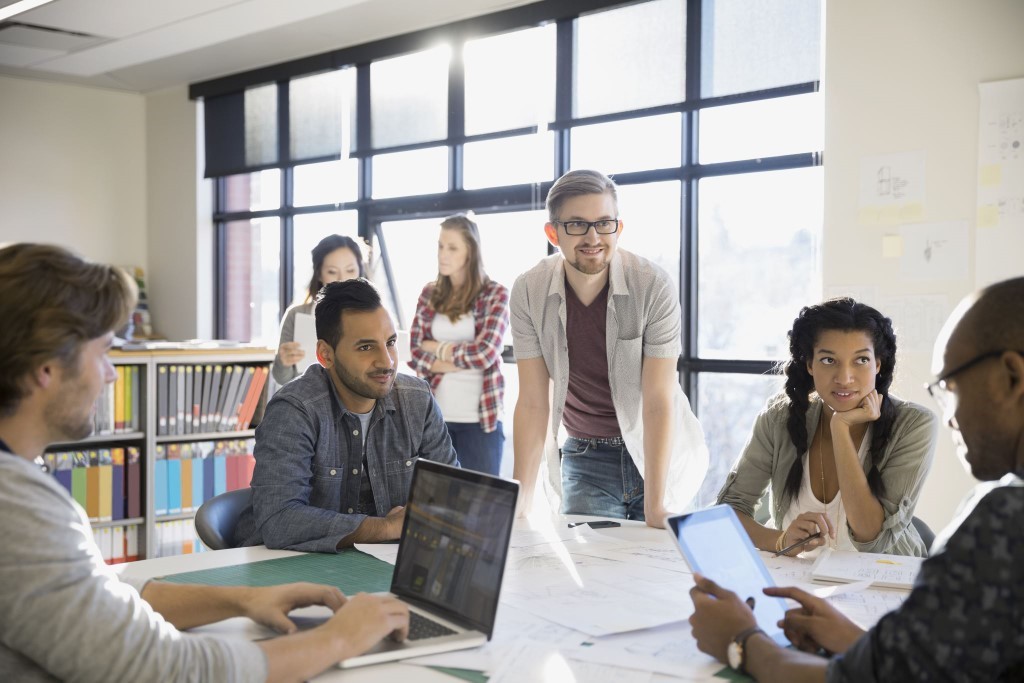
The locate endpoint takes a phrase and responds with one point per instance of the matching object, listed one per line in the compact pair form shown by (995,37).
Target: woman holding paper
(456,341)
(335,258)
(840,455)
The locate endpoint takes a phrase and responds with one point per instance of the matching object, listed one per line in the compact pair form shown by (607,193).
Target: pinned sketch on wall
(892,188)
(999,239)
(934,251)
(917,319)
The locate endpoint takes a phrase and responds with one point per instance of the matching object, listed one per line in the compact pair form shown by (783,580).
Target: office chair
(217,517)
(927,535)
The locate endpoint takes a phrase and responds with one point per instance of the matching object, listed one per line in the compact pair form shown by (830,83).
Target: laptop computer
(451,560)
(714,543)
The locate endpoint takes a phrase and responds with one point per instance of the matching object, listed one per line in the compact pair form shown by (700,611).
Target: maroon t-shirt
(589,412)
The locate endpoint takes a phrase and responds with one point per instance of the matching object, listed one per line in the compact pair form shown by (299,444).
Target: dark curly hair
(846,315)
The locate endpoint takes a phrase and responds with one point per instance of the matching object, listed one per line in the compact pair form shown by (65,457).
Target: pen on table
(798,544)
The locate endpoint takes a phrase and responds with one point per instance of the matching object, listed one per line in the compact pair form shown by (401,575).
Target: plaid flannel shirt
(490,320)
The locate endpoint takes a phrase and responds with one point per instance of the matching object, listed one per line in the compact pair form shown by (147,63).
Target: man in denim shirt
(336,448)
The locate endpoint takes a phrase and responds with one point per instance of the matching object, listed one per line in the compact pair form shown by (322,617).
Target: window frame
(373,212)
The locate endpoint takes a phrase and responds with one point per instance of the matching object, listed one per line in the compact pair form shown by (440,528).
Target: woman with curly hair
(841,455)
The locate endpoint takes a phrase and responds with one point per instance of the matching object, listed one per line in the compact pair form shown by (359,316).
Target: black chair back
(217,518)
(927,535)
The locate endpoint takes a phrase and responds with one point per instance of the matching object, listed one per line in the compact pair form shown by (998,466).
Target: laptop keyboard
(421,627)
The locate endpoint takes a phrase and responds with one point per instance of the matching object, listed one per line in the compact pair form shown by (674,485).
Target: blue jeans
(599,478)
(477,449)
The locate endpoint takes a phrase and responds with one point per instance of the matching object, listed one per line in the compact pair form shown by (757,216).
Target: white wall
(72,169)
(903,76)
(179,218)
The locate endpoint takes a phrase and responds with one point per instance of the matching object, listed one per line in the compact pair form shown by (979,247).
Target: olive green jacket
(770,453)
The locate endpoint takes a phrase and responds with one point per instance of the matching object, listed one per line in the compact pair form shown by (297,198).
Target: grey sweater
(770,453)
(65,615)
(286,373)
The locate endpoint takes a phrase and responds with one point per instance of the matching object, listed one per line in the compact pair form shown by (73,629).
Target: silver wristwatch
(737,651)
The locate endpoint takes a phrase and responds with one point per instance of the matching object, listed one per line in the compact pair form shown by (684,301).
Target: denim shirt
(309,461)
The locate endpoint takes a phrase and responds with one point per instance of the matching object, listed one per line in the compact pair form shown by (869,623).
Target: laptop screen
(454,543)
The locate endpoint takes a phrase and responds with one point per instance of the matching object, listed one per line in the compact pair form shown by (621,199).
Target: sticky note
(988,216)
(911,213)
(991,175)
(892,246)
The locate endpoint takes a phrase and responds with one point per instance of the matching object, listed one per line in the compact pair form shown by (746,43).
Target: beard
(67,420)
(361,386)
(588,268)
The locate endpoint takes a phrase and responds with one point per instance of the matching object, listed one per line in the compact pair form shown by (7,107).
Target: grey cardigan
(770,453)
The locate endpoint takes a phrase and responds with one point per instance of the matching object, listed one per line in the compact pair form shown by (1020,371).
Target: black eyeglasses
(605,226)
(938,389)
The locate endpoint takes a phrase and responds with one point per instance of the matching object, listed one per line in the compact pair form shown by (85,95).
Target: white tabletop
(628,572)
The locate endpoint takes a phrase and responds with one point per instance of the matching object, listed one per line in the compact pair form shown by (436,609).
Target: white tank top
(806,501)
(458,394)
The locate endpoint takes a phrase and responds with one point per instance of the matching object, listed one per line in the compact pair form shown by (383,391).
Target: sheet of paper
(305,334)
(595,607)
(669,650)
(841,589)
(513,627)
(934,251)
(540,664)
(388,552)
(917,318)
(999,238)
(867,607)
(788,570)
(892,188)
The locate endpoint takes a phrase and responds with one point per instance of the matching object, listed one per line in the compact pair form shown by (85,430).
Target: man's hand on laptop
(270,605)
(364,620)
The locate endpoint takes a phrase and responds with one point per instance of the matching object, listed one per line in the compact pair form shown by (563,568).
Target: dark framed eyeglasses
(939,390)
(605,226)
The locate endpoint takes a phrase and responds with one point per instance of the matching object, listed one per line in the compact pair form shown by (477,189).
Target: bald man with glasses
(601,327)
(964,620)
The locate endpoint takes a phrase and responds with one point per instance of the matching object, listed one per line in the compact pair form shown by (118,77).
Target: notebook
(883,571)
(451,560)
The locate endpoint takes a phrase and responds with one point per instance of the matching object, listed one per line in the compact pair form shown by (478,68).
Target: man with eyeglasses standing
(964,620)
(603,326)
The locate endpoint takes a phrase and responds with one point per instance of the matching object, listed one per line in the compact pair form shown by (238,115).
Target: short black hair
(335,298)
(997,317)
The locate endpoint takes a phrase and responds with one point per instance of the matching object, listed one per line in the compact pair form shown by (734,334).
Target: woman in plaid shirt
(459,351)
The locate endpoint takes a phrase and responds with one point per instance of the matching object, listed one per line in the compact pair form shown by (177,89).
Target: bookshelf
(137,427)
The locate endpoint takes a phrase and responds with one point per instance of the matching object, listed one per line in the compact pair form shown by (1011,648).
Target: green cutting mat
(352,571)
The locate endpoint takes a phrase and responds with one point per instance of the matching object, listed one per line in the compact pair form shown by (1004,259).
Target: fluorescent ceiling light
(19,7)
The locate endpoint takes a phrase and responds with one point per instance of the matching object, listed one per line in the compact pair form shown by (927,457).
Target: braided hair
(846,315)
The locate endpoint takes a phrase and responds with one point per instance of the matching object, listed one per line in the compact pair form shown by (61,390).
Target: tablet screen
(714,543)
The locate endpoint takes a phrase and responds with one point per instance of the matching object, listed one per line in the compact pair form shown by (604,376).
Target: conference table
(577,604)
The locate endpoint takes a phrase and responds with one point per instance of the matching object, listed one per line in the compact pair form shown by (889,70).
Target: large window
(706,112)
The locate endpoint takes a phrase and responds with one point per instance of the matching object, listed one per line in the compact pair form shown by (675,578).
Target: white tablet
(714,543)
